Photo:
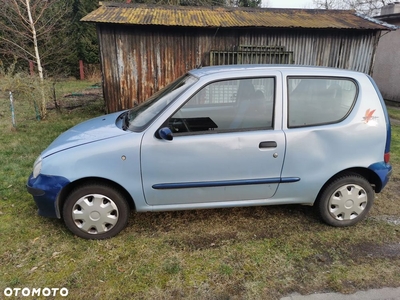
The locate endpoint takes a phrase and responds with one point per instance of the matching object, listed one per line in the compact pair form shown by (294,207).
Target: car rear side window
(228,105)
(319,100)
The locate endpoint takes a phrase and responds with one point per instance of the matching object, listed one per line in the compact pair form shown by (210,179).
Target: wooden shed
(144,47)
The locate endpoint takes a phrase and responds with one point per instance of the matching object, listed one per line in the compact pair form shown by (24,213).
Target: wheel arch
(368,174)
(62,196)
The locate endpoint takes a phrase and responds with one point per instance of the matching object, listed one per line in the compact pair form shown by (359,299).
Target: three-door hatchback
(224,136)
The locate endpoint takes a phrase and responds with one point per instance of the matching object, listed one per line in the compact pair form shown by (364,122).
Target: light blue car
(224,136)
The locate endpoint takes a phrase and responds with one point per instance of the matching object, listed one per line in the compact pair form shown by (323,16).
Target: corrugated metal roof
(140,14)
(378,21)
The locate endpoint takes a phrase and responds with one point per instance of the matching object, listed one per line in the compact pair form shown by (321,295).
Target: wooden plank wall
(139,60)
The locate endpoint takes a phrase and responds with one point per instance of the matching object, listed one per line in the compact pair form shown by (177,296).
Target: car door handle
(268,144)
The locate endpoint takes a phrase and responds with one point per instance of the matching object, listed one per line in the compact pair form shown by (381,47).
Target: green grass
(394,112)
(240,253)
(74,86)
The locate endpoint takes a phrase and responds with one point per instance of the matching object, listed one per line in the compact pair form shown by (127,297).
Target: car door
(227,146)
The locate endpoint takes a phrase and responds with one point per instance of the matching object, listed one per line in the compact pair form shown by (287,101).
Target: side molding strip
(187,185)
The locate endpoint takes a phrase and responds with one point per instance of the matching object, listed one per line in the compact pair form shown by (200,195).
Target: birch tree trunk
(34,37)
(43,110)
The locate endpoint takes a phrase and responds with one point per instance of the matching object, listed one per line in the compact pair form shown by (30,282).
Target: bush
(30,90)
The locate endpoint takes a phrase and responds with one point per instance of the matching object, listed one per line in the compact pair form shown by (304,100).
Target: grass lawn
(240,253)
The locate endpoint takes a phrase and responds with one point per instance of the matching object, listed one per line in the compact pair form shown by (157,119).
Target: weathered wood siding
(139,60)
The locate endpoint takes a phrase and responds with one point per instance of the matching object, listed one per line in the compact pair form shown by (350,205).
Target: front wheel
(346,200)
(95,211)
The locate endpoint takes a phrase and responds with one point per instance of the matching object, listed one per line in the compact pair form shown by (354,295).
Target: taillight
(386,157)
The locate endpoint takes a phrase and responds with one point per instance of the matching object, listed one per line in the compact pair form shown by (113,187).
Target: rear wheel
(346,200)
(94,211)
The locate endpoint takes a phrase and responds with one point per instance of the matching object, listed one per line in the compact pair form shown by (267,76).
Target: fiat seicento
(224,136)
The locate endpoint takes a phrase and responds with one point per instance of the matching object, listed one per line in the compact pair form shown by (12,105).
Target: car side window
(318,101)
(229,105)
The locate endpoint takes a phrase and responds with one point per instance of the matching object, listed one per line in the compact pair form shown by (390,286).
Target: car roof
(204,71)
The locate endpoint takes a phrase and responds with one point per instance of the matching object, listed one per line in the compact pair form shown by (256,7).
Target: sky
(290,3)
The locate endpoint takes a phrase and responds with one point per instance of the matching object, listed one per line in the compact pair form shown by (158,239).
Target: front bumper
(45,190)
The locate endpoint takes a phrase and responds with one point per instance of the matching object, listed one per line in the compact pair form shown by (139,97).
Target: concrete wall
(386,71)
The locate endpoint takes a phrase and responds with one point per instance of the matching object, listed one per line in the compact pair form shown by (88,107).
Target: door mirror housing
(166,134)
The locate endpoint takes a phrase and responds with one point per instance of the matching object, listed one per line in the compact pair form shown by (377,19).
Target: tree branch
(17,46)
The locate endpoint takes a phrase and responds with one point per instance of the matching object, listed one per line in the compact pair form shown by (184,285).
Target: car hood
(100,128)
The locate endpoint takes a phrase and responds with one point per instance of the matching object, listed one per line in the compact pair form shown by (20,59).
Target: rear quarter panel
(317,153)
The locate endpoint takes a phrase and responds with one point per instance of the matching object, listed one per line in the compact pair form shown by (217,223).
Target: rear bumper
(45,190)
(384,171)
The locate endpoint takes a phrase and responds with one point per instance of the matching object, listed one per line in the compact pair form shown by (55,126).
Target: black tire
(346,200)
(94,211)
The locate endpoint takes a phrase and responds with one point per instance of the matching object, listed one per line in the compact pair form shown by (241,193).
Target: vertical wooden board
(139,60)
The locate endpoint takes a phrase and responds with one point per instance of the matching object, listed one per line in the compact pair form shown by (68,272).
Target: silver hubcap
(95,213)
(348,202)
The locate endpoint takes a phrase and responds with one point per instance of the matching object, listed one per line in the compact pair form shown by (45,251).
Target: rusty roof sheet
(184,16)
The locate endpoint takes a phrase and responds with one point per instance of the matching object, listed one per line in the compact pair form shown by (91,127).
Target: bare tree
(28,30)
(328,4)
(366,7)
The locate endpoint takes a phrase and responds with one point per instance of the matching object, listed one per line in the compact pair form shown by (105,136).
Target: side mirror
(166,134)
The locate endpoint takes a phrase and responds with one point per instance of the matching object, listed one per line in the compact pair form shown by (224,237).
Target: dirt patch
(74,100)
(322,259)
(394,121)
(376,251)
(201,242)
(393,220)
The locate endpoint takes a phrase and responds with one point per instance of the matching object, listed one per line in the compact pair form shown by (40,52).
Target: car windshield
(140,116)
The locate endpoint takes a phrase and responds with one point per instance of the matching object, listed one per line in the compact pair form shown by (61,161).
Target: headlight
(37,166)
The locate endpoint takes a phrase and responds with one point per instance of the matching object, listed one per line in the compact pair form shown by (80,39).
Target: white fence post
(12,110)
